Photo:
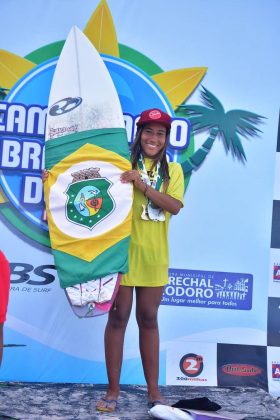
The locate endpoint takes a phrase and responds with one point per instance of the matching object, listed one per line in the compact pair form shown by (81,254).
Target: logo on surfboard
(64,105)
(89,201)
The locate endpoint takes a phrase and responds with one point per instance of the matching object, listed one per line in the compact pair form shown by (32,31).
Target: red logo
(237,369)
(276,370)
(276,272)
(191,364)
(155,114)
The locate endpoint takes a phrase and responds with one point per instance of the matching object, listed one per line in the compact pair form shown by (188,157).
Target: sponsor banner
(273,370)
(275,237)
(241,365)
(274,273)
(209,289)
(191,364)
(273,322)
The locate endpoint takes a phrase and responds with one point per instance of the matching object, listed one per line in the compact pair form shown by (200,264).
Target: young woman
(158,193)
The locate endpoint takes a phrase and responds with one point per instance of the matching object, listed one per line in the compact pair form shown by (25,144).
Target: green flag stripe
(113,139)
(72,270)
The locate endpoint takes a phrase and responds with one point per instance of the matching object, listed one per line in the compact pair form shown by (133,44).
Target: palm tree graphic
(229,126)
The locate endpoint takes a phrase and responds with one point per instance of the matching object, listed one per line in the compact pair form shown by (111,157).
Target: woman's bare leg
(114,339)
(147,303)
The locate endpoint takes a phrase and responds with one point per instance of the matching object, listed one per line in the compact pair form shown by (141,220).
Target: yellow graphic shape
(86,248)
(12,68)
(179,84)
(100,30)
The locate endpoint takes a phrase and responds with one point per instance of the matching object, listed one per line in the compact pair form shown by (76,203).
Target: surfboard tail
(95,297)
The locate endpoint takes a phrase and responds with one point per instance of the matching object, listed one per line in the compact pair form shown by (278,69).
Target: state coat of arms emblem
(88,198)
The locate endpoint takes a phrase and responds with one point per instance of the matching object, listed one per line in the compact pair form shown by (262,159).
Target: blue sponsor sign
(208,289)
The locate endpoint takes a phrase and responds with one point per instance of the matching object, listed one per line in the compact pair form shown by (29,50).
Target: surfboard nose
(83,96)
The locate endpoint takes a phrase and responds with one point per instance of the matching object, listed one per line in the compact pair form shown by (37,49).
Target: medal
(155,213)
(144,215)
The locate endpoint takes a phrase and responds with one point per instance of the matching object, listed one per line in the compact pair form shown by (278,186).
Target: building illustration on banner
(235,291)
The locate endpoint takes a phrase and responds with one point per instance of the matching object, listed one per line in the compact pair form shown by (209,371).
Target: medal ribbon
(157,178)
(150,212)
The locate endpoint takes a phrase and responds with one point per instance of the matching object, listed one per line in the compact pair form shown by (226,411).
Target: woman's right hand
(45,175)
(133,176)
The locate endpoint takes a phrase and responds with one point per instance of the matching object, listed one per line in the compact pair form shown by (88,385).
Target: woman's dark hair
(136,150)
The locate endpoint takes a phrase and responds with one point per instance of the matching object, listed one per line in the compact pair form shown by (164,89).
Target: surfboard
(88,209)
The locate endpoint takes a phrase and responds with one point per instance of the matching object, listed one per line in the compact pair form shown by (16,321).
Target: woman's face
(153,138)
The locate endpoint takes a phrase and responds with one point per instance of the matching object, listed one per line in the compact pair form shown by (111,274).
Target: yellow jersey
(148,252)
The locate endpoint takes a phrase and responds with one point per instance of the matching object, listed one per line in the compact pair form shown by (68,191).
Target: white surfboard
(82,98)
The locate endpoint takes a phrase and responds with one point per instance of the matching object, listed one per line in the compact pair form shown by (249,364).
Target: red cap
(154,115)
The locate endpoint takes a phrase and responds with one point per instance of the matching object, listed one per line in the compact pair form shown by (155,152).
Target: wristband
(145,191)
